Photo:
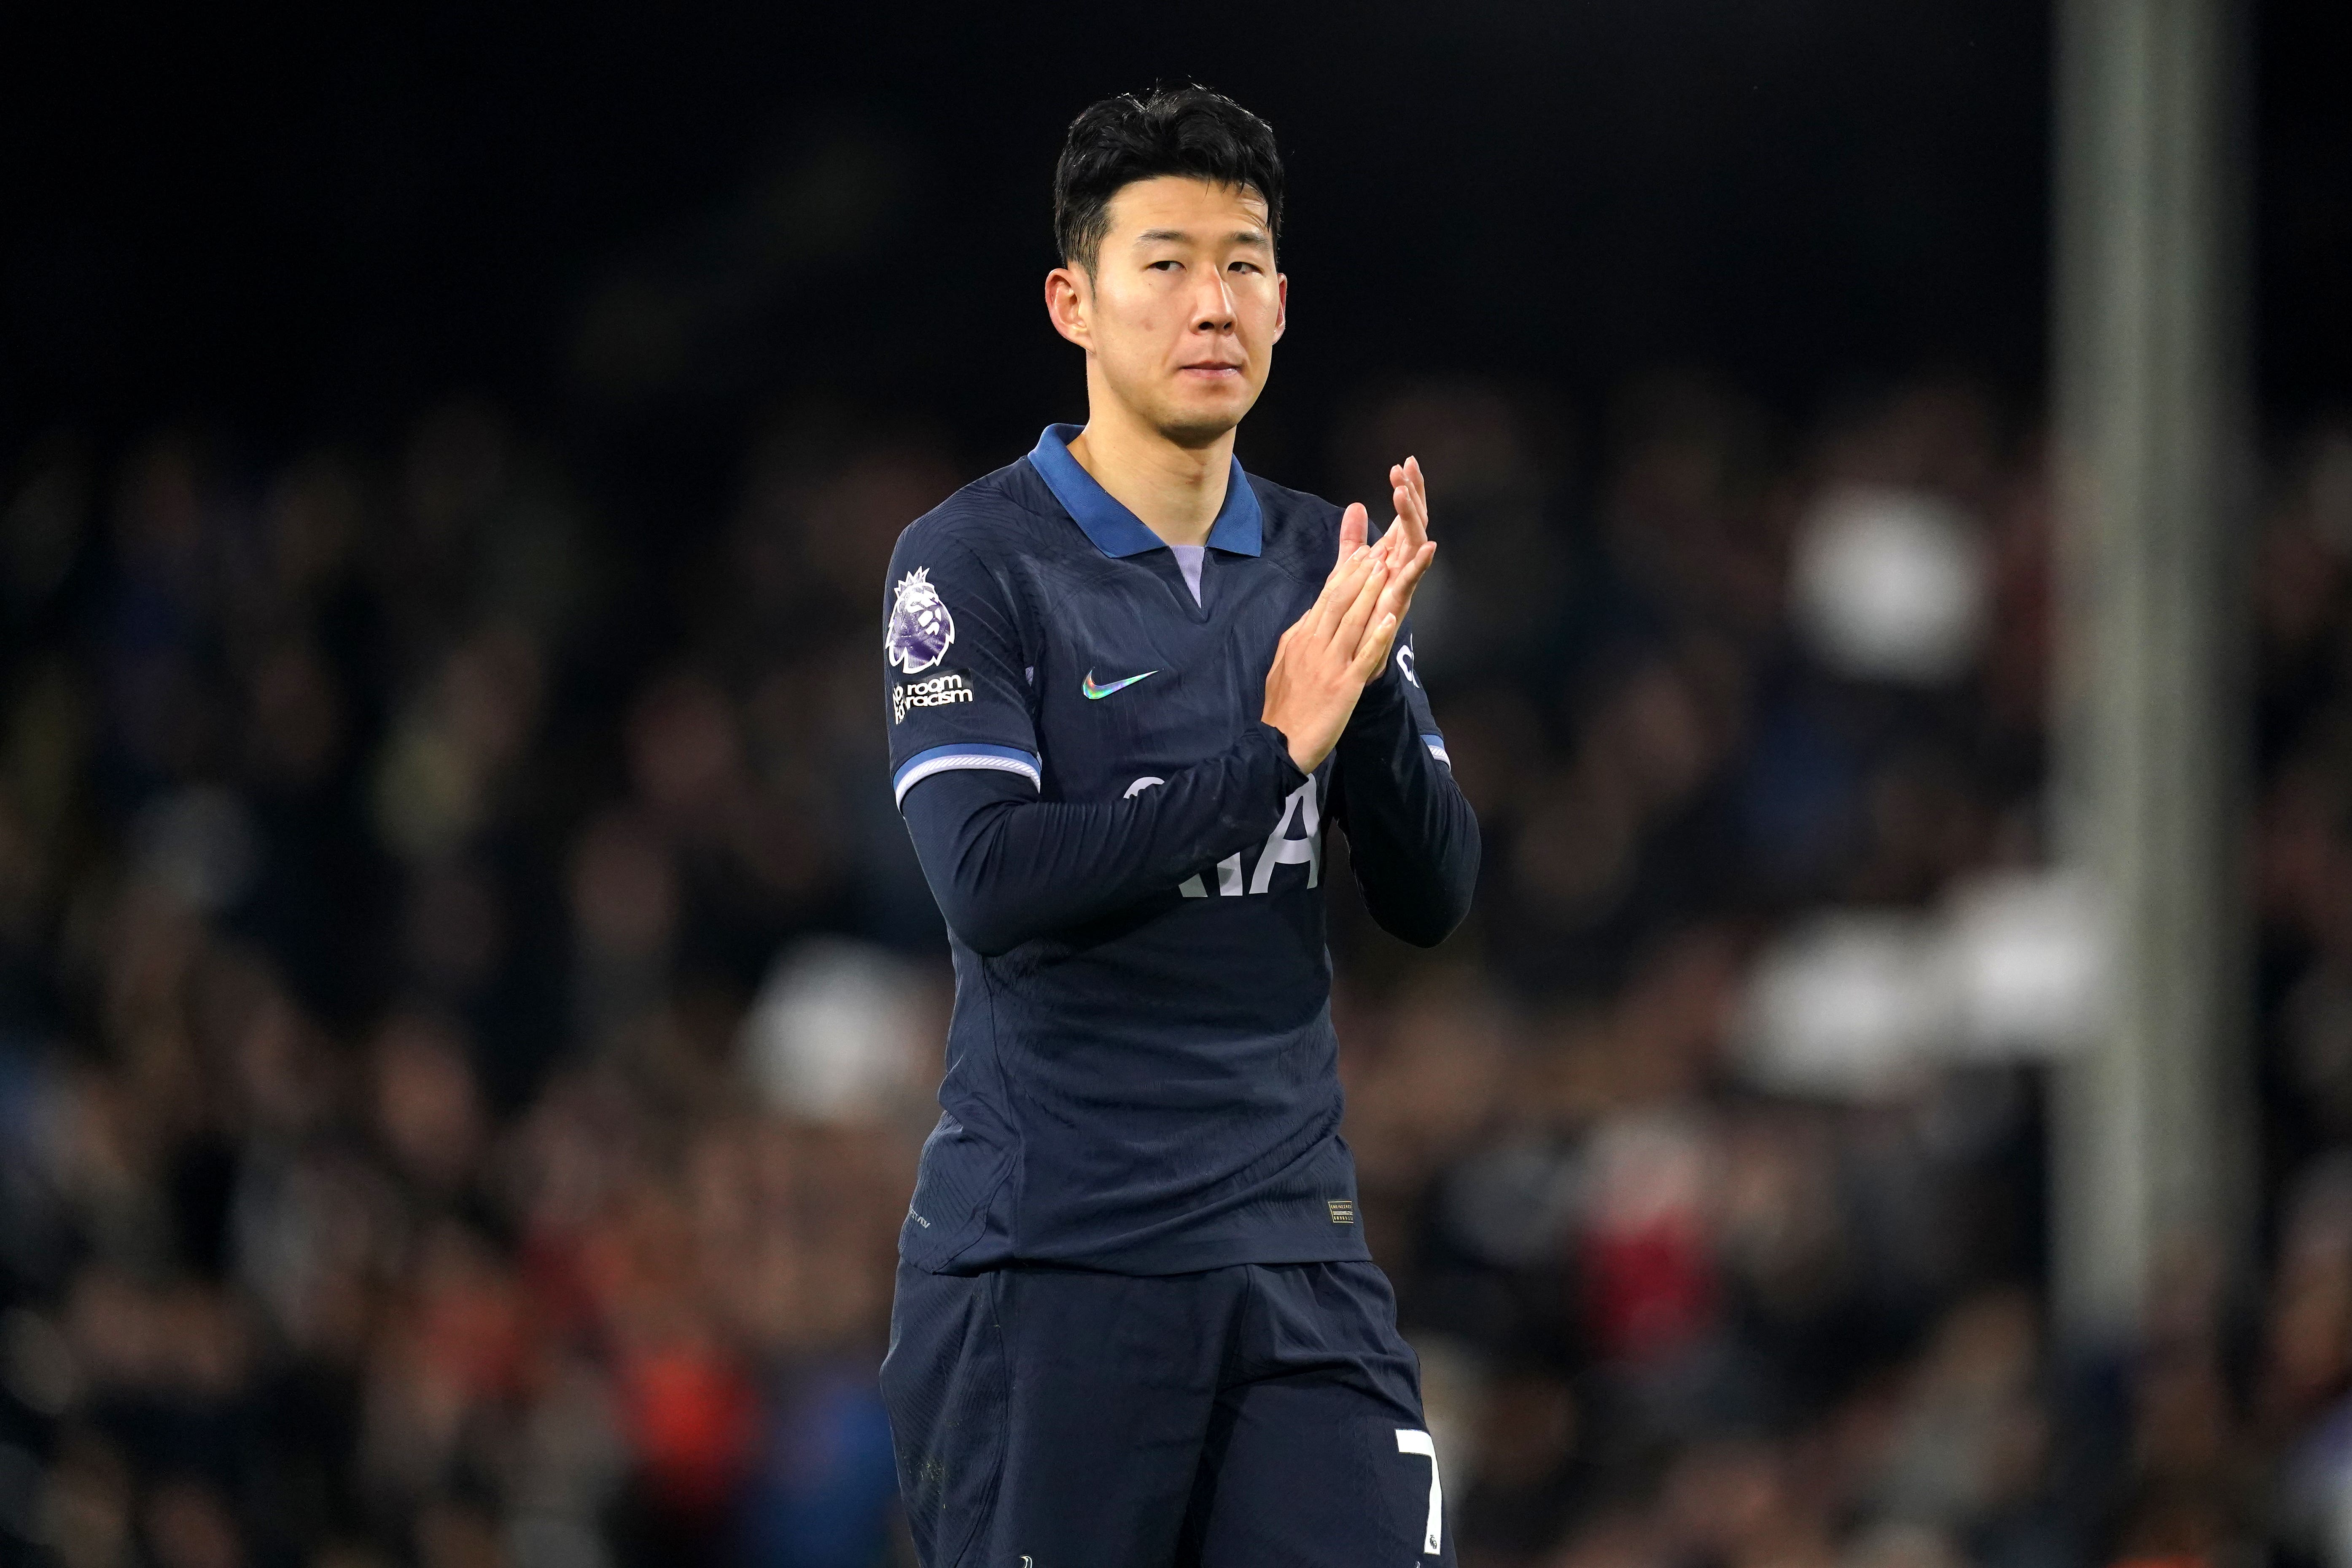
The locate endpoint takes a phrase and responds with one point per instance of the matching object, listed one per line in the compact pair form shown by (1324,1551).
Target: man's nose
(1212,310)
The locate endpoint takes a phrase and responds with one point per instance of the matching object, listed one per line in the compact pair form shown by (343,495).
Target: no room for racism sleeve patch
(953,665)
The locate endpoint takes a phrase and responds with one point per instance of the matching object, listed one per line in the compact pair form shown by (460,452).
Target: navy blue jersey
(1141,1075)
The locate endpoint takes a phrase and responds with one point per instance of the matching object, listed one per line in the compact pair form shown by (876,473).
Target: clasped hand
(1321,663)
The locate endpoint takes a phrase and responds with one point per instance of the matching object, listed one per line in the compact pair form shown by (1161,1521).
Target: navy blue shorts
(1232,1418)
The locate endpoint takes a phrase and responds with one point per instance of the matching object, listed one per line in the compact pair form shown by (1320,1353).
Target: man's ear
(1281,304)
(1067,302)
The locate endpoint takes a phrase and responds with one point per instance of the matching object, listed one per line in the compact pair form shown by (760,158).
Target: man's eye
(1164,265)
(1244,266)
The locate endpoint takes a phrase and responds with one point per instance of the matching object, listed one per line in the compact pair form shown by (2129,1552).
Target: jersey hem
(1190,1258)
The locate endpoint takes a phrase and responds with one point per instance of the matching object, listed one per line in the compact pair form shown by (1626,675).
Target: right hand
(1321,663)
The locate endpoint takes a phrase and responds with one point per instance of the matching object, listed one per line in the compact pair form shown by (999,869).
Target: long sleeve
(1007,868)
(1412,837)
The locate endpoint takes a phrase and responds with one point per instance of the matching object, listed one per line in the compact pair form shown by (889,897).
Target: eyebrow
(1239,236)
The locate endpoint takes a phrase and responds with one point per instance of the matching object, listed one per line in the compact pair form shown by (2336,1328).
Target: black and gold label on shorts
(1343,1211)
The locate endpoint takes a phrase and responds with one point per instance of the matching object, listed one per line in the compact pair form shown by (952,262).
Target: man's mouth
(1212,367)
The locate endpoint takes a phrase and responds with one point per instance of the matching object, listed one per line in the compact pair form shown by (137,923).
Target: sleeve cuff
(1279,744)
(973,755)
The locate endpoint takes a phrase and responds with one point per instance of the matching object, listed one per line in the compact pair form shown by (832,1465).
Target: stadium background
(469,1007)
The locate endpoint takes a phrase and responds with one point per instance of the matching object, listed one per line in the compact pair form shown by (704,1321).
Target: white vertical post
(2152,1148)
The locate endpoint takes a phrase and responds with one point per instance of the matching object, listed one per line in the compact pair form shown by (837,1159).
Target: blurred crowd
(468,1008)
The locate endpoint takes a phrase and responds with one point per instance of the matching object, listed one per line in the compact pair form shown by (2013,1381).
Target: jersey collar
(1240,526)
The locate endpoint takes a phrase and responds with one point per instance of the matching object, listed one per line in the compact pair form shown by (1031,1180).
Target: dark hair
(1184,130)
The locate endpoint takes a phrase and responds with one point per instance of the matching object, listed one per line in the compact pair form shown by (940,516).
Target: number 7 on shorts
(1411,1442)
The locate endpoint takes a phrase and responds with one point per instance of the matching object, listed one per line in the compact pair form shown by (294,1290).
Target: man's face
(1183,306)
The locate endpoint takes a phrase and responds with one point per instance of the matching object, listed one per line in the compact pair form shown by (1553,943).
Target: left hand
(1405,550)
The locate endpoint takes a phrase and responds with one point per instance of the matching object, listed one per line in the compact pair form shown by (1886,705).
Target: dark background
(302,224)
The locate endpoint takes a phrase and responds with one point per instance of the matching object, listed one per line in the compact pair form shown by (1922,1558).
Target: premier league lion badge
(921,627)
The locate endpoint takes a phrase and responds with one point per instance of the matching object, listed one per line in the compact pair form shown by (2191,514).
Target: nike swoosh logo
(1097,693)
